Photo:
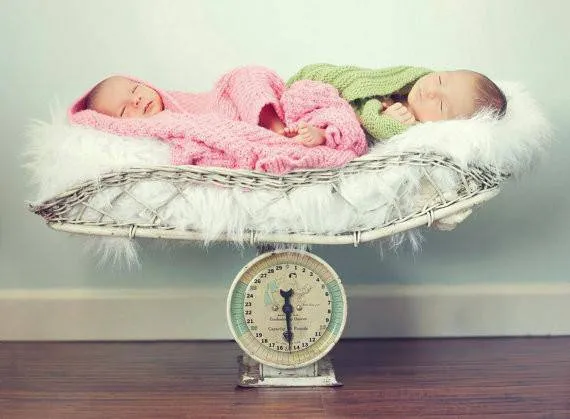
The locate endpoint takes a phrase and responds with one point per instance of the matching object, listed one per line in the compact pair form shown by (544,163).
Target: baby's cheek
(425,114)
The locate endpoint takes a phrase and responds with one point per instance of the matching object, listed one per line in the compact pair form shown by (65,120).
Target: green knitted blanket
(364,88)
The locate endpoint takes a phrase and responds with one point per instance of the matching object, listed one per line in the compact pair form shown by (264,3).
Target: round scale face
(287,308)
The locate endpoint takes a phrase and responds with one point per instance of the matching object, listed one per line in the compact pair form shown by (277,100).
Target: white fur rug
(59,155)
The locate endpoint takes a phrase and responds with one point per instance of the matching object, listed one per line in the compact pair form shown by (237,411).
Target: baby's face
(125,98)
(444,95)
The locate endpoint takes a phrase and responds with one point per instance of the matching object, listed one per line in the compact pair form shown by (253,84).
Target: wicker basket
(65,211)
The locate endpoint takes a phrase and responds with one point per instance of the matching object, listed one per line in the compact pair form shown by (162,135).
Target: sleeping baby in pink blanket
(249,120)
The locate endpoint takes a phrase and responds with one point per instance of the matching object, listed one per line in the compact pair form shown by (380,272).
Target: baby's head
(122,97)
(454,95)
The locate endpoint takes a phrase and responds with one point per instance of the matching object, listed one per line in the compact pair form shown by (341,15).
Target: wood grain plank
(438,378)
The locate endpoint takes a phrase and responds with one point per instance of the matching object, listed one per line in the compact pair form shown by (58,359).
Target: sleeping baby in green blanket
(390,100)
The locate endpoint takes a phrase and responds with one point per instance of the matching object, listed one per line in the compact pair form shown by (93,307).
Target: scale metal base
(255,374)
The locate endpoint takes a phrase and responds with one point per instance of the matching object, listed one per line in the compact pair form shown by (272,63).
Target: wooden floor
(466,378)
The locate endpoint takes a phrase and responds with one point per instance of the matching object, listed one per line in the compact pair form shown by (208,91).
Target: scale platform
(255,374)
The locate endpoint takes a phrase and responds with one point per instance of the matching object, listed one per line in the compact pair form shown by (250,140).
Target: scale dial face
(287,308)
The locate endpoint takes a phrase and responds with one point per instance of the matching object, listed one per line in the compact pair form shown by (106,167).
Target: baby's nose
(135,100)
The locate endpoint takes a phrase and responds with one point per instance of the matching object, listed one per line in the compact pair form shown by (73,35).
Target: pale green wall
(61,47)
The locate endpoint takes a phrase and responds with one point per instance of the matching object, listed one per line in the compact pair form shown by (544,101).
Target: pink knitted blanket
(219,128)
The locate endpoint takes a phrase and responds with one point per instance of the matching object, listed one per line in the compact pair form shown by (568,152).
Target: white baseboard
(374,311)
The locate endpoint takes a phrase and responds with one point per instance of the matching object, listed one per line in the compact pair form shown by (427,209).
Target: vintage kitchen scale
(286,309)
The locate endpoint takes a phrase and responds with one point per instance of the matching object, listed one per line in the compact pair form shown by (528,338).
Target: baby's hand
(399,112)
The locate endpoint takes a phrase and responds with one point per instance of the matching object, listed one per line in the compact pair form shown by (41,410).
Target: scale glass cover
(286,309)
